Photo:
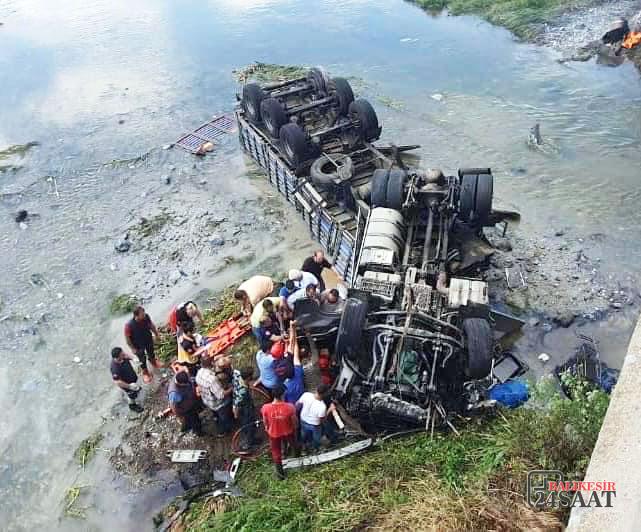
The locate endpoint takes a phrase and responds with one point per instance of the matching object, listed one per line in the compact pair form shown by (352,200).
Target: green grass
(519,16)
(266,72)
(445,482)
(123,303)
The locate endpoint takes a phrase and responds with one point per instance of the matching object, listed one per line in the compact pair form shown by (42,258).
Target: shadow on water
(100,81)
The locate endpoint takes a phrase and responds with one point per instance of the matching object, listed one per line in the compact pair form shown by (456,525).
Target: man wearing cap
(265,362)
(302,279)
(184,402)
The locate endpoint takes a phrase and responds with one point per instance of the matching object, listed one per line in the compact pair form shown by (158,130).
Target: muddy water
(104,85)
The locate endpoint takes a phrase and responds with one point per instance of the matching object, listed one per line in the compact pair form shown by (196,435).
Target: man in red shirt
(280,422)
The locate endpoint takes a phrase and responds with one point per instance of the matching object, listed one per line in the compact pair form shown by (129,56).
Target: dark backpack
(284,368)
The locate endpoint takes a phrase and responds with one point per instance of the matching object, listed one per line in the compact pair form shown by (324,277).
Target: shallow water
(71,71)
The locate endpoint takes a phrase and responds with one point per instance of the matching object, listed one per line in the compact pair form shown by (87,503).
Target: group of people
(293,417)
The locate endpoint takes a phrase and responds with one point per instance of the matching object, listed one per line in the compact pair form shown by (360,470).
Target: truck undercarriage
(416,336)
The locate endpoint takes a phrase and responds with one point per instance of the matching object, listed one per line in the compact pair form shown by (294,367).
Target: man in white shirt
(312,414)
(302,279)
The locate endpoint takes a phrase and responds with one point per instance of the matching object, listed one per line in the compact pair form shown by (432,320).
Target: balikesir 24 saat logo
(546,488)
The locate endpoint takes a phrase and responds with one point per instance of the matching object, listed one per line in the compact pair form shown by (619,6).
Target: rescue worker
(268,307)
(315,265)
(125,377)
(140,333)
(281,424)
(252,291)
(310,291)
(302,279)
(184,402)
(187,349)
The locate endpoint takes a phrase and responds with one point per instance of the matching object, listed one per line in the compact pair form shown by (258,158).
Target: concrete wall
(617,454)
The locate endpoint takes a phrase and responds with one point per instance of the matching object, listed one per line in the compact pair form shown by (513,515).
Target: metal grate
(384,289)
(211,131)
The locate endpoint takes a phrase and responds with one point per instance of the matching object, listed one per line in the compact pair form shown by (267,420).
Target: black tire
(324,173)
(467,196)
(343,93)
(274,116)
(378,195)
(362,112)
(483,202)
(295,146)
(479,341)
(319,79)
(253,95)
(350,330)
(395,194)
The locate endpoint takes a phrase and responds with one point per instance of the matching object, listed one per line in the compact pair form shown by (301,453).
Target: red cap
(278,349)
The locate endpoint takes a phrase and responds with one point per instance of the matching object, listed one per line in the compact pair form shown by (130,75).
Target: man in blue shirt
(267,376)
(295,386)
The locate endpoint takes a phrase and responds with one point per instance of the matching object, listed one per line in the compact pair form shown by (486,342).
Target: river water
(100,83)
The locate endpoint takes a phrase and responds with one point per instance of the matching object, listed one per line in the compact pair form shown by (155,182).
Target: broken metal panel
(186,456)
(515,278)
(210,131)
(329,456)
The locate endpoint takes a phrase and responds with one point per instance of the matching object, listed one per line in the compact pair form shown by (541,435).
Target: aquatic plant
(87,449)
(266,72)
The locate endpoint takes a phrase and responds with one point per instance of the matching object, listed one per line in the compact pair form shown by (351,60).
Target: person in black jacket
(315,265)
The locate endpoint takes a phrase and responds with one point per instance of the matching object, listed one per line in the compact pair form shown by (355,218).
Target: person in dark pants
(125,377)
(243,405)
(184,402)
(140,332)
(281,423)
(215,395)
(315,265)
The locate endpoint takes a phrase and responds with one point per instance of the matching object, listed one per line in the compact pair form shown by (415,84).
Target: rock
(533,322)
(438,97)
(216,241)
(203,181)
(76,360)
(21,215)
(559,232)
(616,305)
(23,226)
(503,244)
(113,267)
(123,246)
(166,179)
(564,319)
(167,146)
(544,357)
(175,276)
(547,327)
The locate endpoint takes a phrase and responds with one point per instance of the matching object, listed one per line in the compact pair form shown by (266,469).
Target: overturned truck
(415,340)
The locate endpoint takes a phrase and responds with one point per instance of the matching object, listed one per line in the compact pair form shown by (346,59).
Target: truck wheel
(273,115)
(483,202)
(295,144)
(478,335)
(344,95)
(395,193)
(323,171)
(319,79)
(467,197)
(380,179)
(362,112)
(350,329)
(253,95)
